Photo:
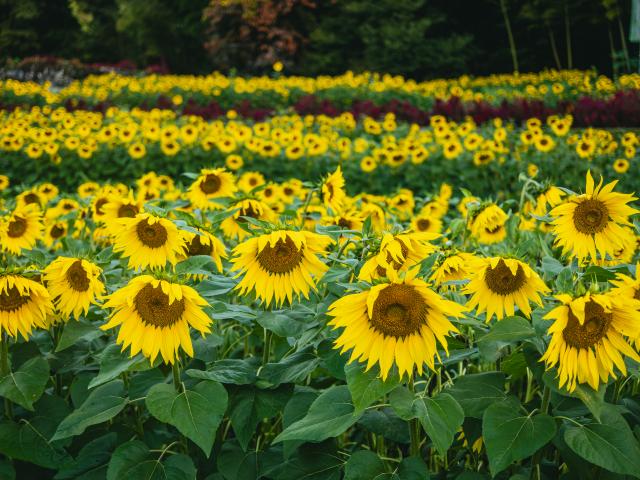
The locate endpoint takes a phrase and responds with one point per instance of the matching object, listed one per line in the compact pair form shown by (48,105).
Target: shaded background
(416,38)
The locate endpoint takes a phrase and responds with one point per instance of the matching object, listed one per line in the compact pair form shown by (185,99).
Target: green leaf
(330,414)
(7,472)
(283,325)
(610,444)
(476,392)
(508,331)
(26,442)
(125,457)
(366,387)
(551,266)
(195,413)
(26,385)
(292,369)
(102,404)
(363,465)
(441,417)
(196,265)
(401,400)
(74,331)
(134,460)
(230,370)
(113,362)
(592,399)
(412,468)
(94,456)
(509,435)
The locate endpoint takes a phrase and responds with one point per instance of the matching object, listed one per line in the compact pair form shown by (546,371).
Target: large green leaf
(104,403)
(92,460)
(292,369)
(609,444)
(510,435)
(26,385)
(195,413)
(366,387)
(133,460)
(363,465)
(330,414)
(401,400)
(28,443)
(508,331)
(230,370)
(113,362)
(76,330)
(476,392)
(441,417)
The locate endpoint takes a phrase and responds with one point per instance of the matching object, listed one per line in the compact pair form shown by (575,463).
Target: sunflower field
(253,291)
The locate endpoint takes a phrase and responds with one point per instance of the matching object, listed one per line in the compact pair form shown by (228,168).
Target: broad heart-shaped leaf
(366,387)
(441,417)
(592,399)
(195,413)
(74,331)
(509,435)
(401,400)
(113,362)
(196,265)
(26,386)
(102,404)
(363,465)
(133,460)
(505,332)
(329,415)
(26,442)
(609,444)
(229,370)
(92,459)
(476,392)
(291,369)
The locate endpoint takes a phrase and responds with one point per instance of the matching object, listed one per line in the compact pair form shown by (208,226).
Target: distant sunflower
(231,226)
(394,322)
(204,243)
(148,241)
(501,284)
(593,221)
(211,184)
(426,223)
(488,224)
(588,337)
(154,317)
(455,267)
(280,264)
(24,305)
(21,230)
(333,194)
(117,207)
(74,284)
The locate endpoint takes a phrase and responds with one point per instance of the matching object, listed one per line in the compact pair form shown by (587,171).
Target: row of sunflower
(311,333)
(280,91)
(377,156)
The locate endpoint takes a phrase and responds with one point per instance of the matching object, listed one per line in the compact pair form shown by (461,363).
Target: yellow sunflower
(280,264)
(488,224)
(455,267)
(117,207)
(398,253)
(500,284)
(333,194)
(397,323)
(593,221)
(21,230)
(231,226)
(250,180)
(24,305)
(426,224)
(74,284)
(211,184)
(53,233)
(148,241)
(154,317)
(588,337)
(204,243)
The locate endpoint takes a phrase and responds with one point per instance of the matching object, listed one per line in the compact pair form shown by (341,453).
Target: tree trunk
(554,48)
(623,41)
(567,33)
(512,43)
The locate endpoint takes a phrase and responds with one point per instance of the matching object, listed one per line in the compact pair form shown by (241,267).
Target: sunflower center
(423,224)
(31,198)
(492,230)
(56,231)
(152,235)
(153,306)
(77,277)
(17,227)
(281,258)
(247,212)
(11,300)
(398,311)
(128,211)
(99,204)
(210,184)
(595,326)
(500,280)
(591,216)
(196,247)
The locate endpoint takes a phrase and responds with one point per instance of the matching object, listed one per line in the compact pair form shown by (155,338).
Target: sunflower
(488,224)
(74,284)
(333,194)
(21,230)
(454,267)
(211,184)
(4,182)
(154,317)
(426,223)
(280,264)
(621,165)
(147,240)
(118,207)
(499,284)
(204,243)
(53,232)
(250,180)
(398,253)
(593,221)
(231,226)
(394,322)
(626,252)
(547,199)
(24,304)
(588,337)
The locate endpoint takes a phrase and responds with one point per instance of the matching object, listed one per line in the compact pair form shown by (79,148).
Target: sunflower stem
(414,427)
(537,458)
(266,352)
(175,368)
(4,371)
